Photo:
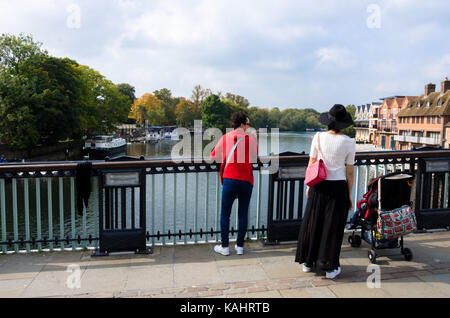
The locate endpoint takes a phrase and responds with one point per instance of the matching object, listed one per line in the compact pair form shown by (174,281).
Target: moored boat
(104,146)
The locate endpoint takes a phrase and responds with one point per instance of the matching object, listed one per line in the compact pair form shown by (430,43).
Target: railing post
(185,206)
(217,204)
(27,212)
(446,191)
(196,208)
(15,219)
(174,208)
(38,212)
(153,209)
(206,206)
(164,209)
(61,212)
(3,213)
(72,210)
(50,213)
(258,204)
(96,211)
(356,189)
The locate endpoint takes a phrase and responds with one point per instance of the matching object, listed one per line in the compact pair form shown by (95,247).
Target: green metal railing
(37,201)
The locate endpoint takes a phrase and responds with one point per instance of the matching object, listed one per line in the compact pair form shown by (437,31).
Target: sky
(284,53)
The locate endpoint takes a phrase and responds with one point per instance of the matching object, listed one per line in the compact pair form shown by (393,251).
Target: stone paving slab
(196,271)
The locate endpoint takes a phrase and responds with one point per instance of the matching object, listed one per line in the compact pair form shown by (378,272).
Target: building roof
(428,106)
(392,97)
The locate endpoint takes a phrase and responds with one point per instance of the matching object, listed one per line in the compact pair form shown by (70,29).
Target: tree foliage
(149,107)
(350,131)
(187,112)
(44,99)
(215,113)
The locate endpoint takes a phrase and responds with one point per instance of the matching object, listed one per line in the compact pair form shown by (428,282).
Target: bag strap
(231,152)
(318,145)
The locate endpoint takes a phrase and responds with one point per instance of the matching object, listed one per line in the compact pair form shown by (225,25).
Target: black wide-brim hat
(337,118)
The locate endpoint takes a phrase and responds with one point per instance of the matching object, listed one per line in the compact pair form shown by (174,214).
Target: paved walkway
(196,271)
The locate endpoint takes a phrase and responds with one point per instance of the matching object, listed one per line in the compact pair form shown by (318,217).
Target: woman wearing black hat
(322,229)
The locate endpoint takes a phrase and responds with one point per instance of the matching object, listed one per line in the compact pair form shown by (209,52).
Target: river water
(199,212)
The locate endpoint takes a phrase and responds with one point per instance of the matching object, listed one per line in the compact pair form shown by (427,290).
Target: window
(384,113)
(394,113)
(439,103)
(428,120)
(439,119)
(422,120)
(428,104)
(433,119)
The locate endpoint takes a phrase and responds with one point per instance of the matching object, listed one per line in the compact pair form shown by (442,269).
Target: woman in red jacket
(236,151)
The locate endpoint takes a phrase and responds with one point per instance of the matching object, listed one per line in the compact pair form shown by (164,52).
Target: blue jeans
(232,189)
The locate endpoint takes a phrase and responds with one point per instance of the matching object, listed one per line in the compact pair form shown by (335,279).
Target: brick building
(366,122)
(425,121)
(388,120)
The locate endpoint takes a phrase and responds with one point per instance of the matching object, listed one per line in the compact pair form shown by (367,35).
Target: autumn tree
(186,112)
(148,107)
(199,94)
(169,103)
(237,99)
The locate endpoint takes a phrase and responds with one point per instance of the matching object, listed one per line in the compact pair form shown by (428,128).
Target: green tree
(169,104)
(274,118)
(127,90)
(39,95)
(259,117)
(103,105)
(350,131)
(215,113)
(17,49)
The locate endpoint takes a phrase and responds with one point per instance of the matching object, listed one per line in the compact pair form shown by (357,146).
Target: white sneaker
(333,274)
(239,250)
(225,251)
(306,269)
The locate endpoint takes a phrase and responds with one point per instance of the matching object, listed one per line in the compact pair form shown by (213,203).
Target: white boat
(153,138)
(100,147)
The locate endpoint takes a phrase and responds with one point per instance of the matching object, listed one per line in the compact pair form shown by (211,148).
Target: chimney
(429,88)
(445,85)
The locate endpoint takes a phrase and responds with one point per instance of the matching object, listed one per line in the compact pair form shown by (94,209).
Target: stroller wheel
(354,240)
(408,254)
(372,256)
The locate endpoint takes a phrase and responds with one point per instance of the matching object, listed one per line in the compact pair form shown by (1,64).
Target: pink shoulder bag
(317,172)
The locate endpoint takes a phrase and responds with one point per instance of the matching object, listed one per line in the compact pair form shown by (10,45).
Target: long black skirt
(322,229)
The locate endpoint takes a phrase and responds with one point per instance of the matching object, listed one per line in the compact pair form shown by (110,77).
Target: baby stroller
(388,193)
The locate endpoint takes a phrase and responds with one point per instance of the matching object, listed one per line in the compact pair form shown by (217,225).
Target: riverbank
(70,150)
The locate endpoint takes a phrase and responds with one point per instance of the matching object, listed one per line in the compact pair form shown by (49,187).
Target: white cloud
(335,58)
(283,53)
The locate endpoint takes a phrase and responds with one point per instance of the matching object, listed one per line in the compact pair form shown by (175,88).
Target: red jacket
(240,164)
